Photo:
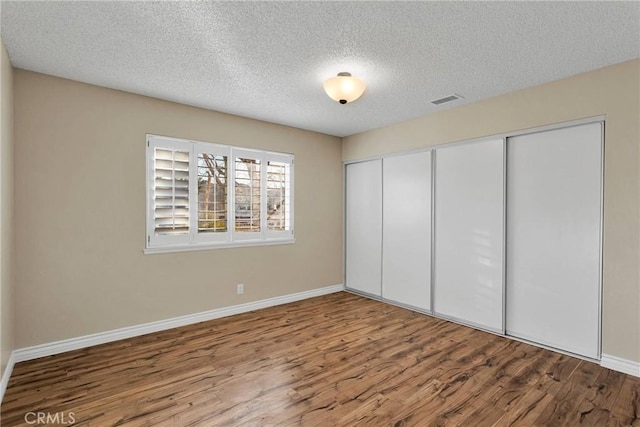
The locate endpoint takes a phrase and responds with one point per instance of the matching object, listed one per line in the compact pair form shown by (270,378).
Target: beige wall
(614,91)
(6,208)
(80,213)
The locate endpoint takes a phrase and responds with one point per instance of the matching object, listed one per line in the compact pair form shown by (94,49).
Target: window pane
(247,195)
(212,193)
(278,196)
(171,192)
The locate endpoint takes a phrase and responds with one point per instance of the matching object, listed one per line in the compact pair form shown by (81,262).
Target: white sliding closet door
(553,238)
(469,233)
(364,227)
(406,244)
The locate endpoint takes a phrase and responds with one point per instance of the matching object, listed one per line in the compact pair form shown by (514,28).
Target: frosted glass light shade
(344,88)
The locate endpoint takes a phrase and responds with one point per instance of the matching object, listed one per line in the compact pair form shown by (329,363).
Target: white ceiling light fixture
(344,88)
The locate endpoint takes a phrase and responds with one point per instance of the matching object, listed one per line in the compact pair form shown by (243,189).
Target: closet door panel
(553,238)
(406,263)
(469,233)
(364,227)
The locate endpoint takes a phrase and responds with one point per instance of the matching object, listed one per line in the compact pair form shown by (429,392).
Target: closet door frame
(501,330)
(567,125)
(344,227)
(430,152)
(570,123)
(345,231)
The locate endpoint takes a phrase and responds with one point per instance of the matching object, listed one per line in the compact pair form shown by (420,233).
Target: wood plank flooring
(336,360)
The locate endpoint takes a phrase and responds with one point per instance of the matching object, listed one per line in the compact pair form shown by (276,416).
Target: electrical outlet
(240,288)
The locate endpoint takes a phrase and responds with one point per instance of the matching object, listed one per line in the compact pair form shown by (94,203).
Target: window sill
(221,245)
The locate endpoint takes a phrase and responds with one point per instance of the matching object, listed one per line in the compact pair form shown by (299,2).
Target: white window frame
(231,238)
(216,150)
(154,240)
(255,155)
(281,158)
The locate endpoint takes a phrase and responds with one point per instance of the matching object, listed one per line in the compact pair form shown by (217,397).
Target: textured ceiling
(267,60)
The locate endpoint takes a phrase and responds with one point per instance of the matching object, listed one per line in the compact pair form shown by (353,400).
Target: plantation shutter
(170,212)
(247,194)
(210,190)
(279,193)
(202,195)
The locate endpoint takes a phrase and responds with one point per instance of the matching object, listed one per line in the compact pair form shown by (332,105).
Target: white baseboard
(621,365)
(7,374)
(48,349)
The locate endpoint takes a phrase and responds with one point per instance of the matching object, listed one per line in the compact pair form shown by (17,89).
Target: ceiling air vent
(449,98)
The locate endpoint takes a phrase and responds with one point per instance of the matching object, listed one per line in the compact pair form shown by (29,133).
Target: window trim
(152,239)
(217,150)
(254,235)
(194,241)
(280,158)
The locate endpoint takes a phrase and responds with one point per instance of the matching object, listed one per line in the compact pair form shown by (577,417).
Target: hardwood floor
(336,360)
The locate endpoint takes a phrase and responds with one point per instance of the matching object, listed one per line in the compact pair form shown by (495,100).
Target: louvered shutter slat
(278,198)
(248,197)
(212,193)
(171,192)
